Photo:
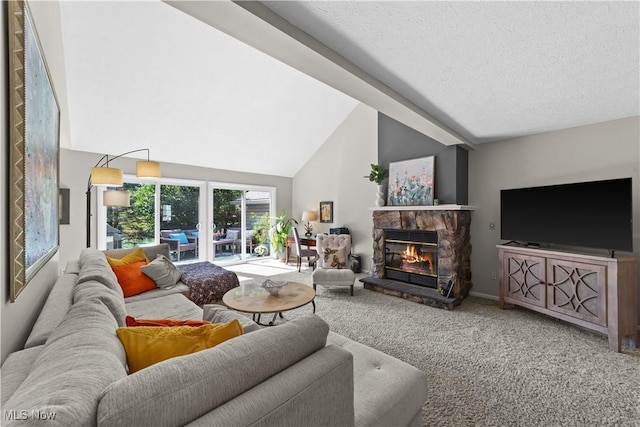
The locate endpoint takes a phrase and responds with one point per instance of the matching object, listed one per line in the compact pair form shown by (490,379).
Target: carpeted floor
(485,366)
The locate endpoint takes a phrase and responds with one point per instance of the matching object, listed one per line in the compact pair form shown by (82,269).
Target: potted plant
(378,175)
(280,232)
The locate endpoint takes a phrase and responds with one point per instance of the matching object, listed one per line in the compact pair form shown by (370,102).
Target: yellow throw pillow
(146,345)
(135,256)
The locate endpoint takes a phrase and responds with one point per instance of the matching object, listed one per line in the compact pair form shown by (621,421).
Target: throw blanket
(207,282)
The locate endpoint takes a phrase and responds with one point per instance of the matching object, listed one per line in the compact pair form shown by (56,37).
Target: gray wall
(587,153)
(18,317)
(397,142)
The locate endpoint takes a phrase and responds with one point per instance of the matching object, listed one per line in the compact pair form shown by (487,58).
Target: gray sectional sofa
(73,372)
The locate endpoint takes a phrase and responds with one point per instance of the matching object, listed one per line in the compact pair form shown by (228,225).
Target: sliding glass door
(219,222)
(240,218)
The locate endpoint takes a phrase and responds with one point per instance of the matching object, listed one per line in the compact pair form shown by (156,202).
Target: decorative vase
(380,195)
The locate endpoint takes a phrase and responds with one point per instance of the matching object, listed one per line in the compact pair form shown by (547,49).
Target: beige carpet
(485,366)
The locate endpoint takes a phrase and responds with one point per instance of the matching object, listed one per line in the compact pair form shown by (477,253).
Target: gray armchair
(332,268)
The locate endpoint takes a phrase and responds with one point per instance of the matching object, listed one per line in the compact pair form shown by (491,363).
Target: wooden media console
(595,292)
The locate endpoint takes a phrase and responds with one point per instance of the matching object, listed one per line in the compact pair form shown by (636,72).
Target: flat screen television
(596,214)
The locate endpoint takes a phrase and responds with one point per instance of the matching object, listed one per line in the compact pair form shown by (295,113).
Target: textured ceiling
(490,70)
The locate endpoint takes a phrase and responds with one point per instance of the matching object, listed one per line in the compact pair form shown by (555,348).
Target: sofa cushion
(80,359)
(72,267)
(162,271)
(216,313)
(174,306)
(132,280)
(16,368)
(180,288)
(55,307)
(136,256)
(334,276)
(148,345)
(94,267)
(151,251)
(180,390)
(110,298)
(405,387)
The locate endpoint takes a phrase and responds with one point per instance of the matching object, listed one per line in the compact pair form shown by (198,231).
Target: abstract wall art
(34,121)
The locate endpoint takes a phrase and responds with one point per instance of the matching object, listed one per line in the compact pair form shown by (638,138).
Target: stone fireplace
(417,250)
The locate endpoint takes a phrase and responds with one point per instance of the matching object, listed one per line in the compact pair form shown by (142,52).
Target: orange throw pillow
(135,256)
(132,321)
(132,280)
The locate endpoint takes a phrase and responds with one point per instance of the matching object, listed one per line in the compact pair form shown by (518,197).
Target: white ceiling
(145,74)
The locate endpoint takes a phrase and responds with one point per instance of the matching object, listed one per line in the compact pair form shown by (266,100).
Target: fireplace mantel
(425,208)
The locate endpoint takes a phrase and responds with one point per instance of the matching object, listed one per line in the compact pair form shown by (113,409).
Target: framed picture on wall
(34,124)
(326,211)
(411,182)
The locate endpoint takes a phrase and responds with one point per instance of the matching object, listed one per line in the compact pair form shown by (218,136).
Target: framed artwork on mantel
(34,123)
(411,182)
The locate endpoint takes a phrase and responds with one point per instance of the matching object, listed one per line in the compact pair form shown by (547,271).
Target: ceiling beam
(259,27)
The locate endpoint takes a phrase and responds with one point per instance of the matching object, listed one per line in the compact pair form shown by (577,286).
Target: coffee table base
(256,316)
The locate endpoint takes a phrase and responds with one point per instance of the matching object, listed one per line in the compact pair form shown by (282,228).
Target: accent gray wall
(397,142)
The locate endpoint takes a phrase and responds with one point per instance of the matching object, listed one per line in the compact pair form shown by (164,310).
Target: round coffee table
(254,299)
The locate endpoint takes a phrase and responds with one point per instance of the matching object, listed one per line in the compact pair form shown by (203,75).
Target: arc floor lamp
(102,174)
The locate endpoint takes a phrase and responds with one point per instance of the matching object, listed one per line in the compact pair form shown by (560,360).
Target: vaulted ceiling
(198,87)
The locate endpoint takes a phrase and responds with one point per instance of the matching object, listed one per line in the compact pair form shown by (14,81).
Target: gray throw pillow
(163,272)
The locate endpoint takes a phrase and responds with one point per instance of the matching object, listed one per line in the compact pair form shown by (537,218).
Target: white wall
(335,173)
(17,317)
(75,167)
(587,153)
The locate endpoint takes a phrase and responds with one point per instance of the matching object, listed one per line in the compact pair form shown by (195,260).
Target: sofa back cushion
(80,359)
(182,389)
(111,299)
(55,308)
(151,252)
(94,267)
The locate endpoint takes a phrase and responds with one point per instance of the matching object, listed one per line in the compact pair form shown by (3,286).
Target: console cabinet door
(524,278)
(577,290)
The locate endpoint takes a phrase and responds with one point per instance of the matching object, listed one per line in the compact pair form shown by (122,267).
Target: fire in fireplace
(412,256)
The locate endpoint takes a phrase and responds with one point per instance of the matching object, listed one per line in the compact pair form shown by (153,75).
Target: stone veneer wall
(454,242)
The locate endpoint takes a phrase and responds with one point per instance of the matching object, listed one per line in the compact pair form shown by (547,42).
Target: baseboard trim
(485,296)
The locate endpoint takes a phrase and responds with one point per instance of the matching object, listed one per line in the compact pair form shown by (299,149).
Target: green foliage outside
(261,225)
(225,214)
(184,206)
(137,221)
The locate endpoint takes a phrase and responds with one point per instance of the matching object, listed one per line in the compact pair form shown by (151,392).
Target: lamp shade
(309,216)
(147,169)
(115,198)
(111,177)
